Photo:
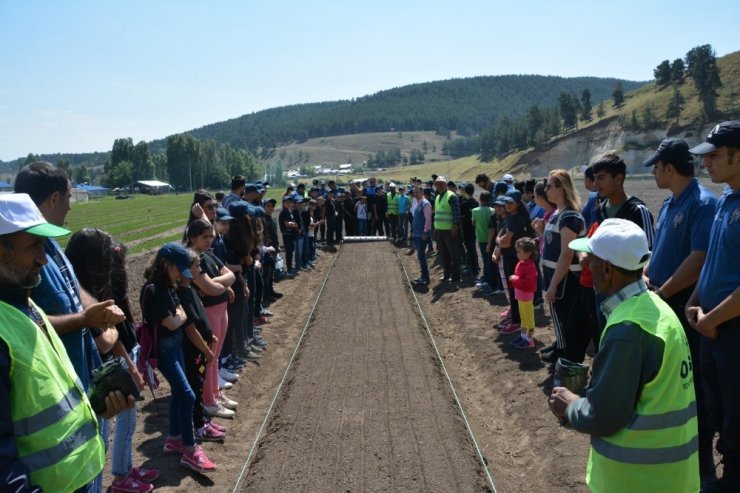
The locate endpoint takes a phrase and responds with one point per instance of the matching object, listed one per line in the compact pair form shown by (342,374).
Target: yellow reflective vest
(392,201)
(443,212)
(55,428)
(657,450)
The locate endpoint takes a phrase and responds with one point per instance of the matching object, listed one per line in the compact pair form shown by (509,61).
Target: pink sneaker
(216,426)
(144,475)
(173,446)
(130,485)
(510,328)
(208,434)
(197,461)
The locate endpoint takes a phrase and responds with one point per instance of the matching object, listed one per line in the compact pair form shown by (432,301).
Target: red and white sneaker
(197,461)
(173,446)
(130,485)
(144,475)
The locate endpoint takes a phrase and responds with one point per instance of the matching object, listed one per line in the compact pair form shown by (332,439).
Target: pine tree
(618,95)
(662,73)
(675,105)
(586,105)
(701,64)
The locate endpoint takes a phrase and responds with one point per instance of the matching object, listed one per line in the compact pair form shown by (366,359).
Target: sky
(76,75)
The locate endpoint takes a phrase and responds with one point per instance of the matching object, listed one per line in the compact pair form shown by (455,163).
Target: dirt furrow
(375,412)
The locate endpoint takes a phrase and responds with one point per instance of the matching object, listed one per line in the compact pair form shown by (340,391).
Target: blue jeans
(172,366)
(121,460)
(422,256)
(298,252)
(362,224)
(486,260)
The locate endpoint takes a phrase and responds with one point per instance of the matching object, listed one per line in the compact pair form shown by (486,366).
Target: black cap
(724,134)
(673,151)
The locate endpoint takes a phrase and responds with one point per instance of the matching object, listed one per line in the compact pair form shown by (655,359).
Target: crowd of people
(658,300)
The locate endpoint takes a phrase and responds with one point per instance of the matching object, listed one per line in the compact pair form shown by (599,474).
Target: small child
(524,281)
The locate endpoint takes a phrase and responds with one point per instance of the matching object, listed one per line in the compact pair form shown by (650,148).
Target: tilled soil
(366,408)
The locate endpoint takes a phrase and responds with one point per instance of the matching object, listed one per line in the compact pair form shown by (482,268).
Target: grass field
(143,223)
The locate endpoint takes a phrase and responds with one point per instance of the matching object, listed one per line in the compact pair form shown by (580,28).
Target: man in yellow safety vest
(49,435)
(640,409)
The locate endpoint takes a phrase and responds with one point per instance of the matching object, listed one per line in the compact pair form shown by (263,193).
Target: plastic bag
(572,376)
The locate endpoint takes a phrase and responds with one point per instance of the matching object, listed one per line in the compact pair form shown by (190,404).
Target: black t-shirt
(517,224)
(157,303)
(466,215)
(284,217)
(211,265)
(195,313)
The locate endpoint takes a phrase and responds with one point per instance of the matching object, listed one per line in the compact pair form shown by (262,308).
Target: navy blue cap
(724,134)
(223,215)
(178,255)
(287,197)
(271,201)
(261,189)
(515,194)
(499,187)
(250,187)
(258,211)
(298,200)
(501,200)
(673,151)
(239,208)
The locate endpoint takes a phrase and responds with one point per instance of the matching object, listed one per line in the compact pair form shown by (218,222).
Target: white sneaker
(227,375)
(218,411)
(223,384)
(226,402)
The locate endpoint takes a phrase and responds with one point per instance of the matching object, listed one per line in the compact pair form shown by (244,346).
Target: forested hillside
(465,106)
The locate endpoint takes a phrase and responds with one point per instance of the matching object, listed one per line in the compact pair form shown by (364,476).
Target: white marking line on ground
(285,376)
(447,376)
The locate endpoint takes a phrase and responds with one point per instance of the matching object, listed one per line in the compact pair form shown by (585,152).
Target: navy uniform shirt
(683,226)
(720,275)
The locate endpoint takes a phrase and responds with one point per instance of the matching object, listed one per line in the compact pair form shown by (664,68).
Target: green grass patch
(132,219)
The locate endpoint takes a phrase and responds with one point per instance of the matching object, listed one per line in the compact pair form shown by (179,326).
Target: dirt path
(366,408)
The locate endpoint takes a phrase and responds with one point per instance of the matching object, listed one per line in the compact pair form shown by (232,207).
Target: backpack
(147,337)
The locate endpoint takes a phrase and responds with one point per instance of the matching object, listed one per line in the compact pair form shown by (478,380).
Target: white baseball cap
(18,212)
(619,242)
(508,178)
